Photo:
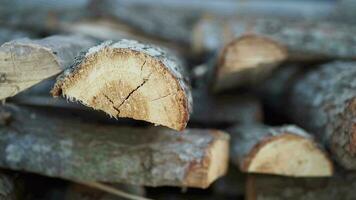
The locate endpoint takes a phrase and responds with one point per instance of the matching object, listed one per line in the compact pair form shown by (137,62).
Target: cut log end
(289,155)
(247,59)
(214,165)
(126,83)
(28,57)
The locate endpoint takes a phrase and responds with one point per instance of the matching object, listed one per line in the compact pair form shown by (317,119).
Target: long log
(287,150)
(130,79)
(323,101)
(246,60)
(305,40)
(26,62)
(73,149)
(263,187)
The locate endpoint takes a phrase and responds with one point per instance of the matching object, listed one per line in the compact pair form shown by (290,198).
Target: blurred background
(185,28)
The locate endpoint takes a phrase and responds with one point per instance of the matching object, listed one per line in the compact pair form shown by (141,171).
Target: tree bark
(73,149)
(25,62)
(142,82)
(263,187)
(305,40)
(323,101)
(286,150)
(246,60)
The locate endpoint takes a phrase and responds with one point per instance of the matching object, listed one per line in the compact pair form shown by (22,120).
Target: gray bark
(168,63)
(323,101)
(246,137)
(55,145)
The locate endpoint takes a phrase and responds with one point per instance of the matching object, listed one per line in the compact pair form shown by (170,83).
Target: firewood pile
(114,99)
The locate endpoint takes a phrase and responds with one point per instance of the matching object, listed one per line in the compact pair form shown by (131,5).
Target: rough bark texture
(246,60)
(130,79)
(263,187)
(323,101)
(303,39)
(286,150)
(87,152)
(25,62)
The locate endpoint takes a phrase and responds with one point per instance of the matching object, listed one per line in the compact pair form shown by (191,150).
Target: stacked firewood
(114,100)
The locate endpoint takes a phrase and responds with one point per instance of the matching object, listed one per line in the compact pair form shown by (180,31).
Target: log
(129,79)
(246,60)
(305,40)
(287,150)
(26,62)
(323,101)
(228,109)
(263,187)
(82,151)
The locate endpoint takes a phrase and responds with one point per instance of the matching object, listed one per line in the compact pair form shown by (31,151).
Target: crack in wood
(161,97)
(113,104)
(134,90)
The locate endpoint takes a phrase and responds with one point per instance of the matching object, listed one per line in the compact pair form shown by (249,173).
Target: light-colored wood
(286,150)
(246,60)
(322,100)
(26,62)
(83,151)
(130,79)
